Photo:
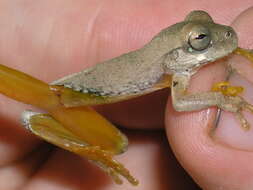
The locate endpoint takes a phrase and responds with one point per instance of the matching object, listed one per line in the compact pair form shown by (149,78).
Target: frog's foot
(47,128)
(104,160)
(234,103)
(226,89)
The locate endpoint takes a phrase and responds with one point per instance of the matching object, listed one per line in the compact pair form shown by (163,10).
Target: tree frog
(168,60)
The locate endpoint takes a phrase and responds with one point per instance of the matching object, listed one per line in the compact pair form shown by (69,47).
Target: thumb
(216,158)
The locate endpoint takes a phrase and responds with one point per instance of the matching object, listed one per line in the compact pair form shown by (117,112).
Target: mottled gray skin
(167,53)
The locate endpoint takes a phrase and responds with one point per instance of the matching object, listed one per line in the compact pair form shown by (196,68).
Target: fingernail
(229,130)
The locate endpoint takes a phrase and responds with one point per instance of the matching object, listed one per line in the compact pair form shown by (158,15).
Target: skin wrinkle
(221,10)
(91,30)
(46,46)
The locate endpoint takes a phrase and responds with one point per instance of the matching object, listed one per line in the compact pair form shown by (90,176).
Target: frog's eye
(199,38)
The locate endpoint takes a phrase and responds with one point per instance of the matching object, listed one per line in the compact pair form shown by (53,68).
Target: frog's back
(127,74)
(131,73)
(136,72)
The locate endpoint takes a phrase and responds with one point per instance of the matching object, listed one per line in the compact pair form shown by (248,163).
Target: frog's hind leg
(49,129)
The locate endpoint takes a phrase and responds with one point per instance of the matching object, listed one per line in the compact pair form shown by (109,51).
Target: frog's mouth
(225,55)
(206,61)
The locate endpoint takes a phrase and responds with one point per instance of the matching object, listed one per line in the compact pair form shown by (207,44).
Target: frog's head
(201,41)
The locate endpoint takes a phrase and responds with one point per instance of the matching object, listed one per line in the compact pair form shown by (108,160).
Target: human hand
(51,39)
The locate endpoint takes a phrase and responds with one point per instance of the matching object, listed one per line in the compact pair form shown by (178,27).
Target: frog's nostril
(228,34)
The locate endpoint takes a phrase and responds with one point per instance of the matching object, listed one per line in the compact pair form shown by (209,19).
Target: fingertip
(242,25)
(213,163)
(229,131)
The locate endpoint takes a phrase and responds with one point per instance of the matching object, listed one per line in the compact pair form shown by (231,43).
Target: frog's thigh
(46,127)
(49,129)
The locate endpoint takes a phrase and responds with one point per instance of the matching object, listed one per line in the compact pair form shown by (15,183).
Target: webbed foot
(47,128)
(233,102)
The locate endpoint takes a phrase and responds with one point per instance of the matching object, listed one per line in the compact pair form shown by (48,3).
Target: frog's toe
(239,115)
(249,107)
(244,123)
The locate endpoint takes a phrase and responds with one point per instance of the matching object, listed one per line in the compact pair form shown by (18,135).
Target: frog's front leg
(49,129)
(191,102)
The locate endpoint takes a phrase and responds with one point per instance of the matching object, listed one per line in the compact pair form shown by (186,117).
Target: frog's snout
(231,37)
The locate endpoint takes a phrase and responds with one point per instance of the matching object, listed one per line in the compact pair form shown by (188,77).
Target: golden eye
(228,34)
(199,38)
